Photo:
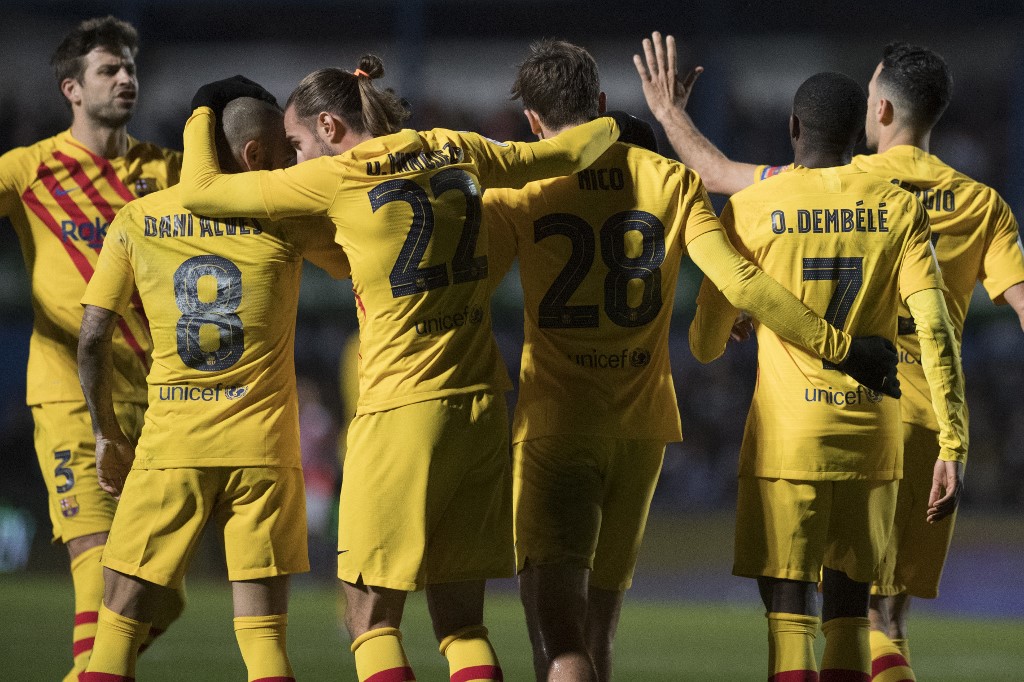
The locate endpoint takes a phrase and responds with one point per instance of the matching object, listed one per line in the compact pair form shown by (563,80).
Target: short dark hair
(917,80)
(831,108)
(559,81)
(352,97)
(108,32)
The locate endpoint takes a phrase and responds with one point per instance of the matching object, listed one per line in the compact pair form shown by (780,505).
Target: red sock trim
(883,663)
(393,675)
(794,676)
(841,675)
(275,679)
(82,645)
(477,672)
(86,617)
(103,677)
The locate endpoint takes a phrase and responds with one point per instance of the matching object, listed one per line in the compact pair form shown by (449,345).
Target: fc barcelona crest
(144,186)
(69,507)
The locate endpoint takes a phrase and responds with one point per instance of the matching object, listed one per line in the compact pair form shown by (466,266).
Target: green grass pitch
(658,641)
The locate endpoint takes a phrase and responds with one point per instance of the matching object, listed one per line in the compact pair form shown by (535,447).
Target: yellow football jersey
(61,198)
(976,238)
(851,247)
(407,208)
(222,296)
(599,256)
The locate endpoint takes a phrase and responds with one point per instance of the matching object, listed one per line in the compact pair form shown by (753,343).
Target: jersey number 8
(220,312)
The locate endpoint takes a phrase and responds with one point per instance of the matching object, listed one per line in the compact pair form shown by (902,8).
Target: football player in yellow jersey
(61,194)
(221,436)
(599,257)
(820,457)
(976,238)
(426,491)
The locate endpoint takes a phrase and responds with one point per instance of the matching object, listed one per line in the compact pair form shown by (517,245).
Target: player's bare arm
(114,452)
(666,97)
(1015,297)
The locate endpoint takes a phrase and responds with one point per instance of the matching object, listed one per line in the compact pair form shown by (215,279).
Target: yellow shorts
(261,512)
(66,449)
(426,494)
(583,501)
(791,529)
(917,550)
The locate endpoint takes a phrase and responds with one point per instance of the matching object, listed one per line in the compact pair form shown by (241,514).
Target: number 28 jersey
(222,297)
(599,255)
(851,247)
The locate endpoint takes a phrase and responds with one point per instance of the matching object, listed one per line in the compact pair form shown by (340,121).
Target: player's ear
(534,119)
(252,156)
(794,128)
(330,128)
(885,112)
(72,89)
(602,103)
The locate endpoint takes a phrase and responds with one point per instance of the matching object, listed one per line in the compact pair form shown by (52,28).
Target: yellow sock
(87,578)
(887,662)
(791,647)
(117,644)
(904,646)
(262,642)
(166,613)
(470,656)
(380,657)
(847,654)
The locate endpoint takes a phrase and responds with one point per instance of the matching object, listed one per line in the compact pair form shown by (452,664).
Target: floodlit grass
(658,641)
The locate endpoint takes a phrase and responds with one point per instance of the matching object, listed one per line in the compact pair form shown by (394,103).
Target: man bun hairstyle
(918,82)
(831,108)
(351,97)
(558,81)
(109,32)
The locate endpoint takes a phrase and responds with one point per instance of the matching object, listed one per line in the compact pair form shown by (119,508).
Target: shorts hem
(782,574)
(142,573)
(353,578)
(268,572)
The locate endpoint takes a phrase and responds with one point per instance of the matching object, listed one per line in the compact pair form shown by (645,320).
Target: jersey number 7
(849,273)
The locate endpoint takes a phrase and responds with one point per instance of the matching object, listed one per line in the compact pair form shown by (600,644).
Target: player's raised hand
(872,362)
(659,76)
(217,94)
(114,458)
(742,328)
(947,486)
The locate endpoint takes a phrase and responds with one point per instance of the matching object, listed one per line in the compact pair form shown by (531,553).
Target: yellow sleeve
(940,360)
(1003,263)
(12,171)
(748,288)
(919,268)
(712,323)
(502,243)
(513,164)
(314,239)
(306,189)
(699,214)
(113,281)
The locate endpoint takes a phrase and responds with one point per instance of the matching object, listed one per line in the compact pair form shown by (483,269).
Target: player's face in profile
(109,88)
(871,124)
(306,143)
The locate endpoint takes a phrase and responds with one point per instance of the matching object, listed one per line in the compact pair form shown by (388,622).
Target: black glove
(217,94)
(872,362)
(634,131)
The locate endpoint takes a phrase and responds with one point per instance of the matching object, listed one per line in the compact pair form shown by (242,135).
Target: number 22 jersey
(222,297)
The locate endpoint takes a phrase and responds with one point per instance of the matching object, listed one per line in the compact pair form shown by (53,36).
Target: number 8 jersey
(599,255)
(851,247)
(221,296)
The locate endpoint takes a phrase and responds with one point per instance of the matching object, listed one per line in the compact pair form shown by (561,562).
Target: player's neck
(816,158)
(100,139)
(889,138)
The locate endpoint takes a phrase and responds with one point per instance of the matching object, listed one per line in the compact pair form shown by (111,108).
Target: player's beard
(111,114)
(325,149)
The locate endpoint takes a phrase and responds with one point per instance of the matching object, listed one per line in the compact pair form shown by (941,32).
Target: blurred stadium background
(454,61)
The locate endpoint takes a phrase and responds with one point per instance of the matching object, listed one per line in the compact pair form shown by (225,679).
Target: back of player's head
(917,81)
(351,97)
(243,120)
(109,32)
(558,81)
(830,108)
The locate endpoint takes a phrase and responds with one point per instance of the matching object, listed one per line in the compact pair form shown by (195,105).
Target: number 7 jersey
(599,254)
(851,247)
